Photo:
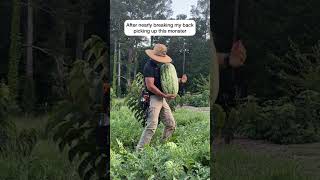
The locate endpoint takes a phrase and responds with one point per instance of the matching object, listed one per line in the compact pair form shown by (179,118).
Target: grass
(186,155)
(233,163)
(44,162)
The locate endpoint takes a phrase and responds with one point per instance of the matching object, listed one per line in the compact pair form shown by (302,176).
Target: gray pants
(158,106)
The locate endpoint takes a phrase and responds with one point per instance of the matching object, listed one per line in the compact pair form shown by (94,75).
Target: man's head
(159,53)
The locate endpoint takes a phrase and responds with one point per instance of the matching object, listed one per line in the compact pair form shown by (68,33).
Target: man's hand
(170,96)
(151,87)
(184,78)
(238,55)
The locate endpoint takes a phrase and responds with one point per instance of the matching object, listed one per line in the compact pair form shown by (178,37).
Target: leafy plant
(133,99)
(74,120)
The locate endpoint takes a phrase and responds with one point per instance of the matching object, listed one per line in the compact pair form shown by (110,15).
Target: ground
(307,155)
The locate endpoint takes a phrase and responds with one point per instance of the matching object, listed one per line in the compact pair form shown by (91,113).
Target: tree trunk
(129,65)
(28,91)
(80,33)
(114,74)
(151,41)
(60,57)
(136,65)
(15,50)
(29,65)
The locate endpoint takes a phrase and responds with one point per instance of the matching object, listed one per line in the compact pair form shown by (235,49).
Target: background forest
(52,67)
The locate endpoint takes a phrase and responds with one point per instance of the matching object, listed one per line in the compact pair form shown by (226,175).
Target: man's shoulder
(148,70)
(147,65)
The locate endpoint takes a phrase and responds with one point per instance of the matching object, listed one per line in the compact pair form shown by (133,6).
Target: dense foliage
(172,160)
(297,70)
(196,99)
(283,121)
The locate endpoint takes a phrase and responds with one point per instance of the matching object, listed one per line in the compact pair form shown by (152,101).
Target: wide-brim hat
(159,53)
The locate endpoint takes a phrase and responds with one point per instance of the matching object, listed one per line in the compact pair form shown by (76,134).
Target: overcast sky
(182,7)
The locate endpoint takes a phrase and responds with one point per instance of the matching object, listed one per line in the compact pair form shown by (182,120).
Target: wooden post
(119,70)
(235,20)
(184,58)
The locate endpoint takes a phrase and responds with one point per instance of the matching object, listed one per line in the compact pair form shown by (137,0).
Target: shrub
(283,121)
(197,100)
(298,70)
(7,104)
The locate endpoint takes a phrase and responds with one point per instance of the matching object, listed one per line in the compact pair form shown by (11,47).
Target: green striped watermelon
(169,79)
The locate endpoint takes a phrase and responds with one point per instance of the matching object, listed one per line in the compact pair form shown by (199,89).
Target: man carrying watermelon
(156,87)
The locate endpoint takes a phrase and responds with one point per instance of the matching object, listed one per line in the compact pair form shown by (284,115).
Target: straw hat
(159,53)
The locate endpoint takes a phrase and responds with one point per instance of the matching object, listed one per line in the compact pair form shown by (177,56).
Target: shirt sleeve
(148,71)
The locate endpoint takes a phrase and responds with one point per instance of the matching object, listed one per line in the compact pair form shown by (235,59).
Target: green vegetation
(195,99)
(186,155)
(232,162)
(282,121)
(29,154)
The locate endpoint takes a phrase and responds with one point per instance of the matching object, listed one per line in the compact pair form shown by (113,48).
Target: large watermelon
(169,79)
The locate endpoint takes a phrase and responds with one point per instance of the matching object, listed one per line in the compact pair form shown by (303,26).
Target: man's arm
(151,87)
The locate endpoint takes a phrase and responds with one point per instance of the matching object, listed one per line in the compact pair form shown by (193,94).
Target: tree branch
(40,49)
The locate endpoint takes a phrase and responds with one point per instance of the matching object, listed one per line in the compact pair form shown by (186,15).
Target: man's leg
(168,120)
(152,121)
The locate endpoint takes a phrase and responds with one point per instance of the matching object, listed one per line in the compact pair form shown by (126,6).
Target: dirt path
(198,109)
(308,155)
